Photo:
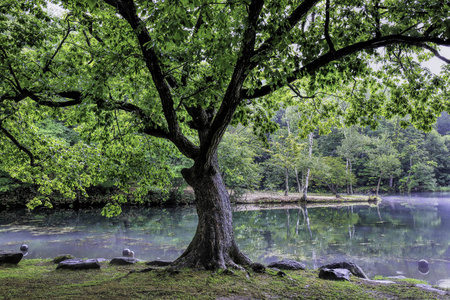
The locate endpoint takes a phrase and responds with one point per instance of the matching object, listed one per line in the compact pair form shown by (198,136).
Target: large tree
(181,71)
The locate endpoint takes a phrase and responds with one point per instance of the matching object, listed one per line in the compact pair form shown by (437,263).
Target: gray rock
(10,257)
(79,264)
(335,274)
(287,265)
(423,266)
(159,263)
(430,289)
(444,283)
(258,268)
(123,261)
(352,267)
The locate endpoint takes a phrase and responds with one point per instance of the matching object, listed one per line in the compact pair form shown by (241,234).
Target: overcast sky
(435,64)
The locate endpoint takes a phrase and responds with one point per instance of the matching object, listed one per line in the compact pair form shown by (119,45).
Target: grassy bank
(39,279)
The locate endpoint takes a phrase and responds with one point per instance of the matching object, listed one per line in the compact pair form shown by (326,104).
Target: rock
(287,265)
(423,266)
(62,257)
(334,274)
(258,268)
(444,283)
(123,261)
(430,289)
(158,263)
(126,252)
(10,257)
(24,248)
(281,274)
(78,264)
(352,267)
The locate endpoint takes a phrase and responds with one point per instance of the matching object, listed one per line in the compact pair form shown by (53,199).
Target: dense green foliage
(400,159)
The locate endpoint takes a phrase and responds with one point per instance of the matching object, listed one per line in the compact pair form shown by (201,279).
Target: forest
(342,160)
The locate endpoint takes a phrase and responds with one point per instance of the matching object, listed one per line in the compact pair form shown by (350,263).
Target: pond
(388,239)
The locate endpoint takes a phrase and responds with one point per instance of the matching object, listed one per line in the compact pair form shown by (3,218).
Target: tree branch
(233,97)
(327,26)
(290,22)
(47,65)
(18,145)
(127,10)
(437,54)
(323,60)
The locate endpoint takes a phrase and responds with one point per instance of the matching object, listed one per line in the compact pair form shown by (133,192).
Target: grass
(39,279)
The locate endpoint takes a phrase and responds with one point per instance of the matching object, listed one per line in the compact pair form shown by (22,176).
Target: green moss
(39,279)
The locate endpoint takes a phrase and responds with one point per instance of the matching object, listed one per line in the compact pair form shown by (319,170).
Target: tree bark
(299,186)
(213,246)
(286,173)
(351,185)
(378,185)
(308,171)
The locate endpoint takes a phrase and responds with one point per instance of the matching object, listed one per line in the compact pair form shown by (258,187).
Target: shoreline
(273,197)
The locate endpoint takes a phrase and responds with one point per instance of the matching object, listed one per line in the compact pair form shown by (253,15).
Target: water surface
(388,239)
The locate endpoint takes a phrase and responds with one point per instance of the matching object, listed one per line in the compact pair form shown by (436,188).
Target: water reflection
(387,240)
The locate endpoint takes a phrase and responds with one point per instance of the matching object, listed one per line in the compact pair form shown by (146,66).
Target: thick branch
(47,65)
(287,26)
(233,95)
(338,54)
(18,145)
(127,10)
(327,26)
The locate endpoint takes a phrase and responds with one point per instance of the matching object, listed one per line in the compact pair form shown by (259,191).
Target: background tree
(144,77)
(383,161)
(352,145)
(332,173)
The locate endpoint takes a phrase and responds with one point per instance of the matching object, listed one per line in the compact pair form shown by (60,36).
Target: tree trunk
(378,185)
(213,246)
(305,186)
(286,172)
(351,184)
(346,175)
(299,186)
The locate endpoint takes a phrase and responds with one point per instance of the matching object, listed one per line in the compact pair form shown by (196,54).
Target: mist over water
(388,239)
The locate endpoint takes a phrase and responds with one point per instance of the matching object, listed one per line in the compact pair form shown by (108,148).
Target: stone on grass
(122,260)
(159,263)
(335,274)
(62,257)
(352,267)
(79,264)
(444,283)
(287,265)
(10,257)
(423,266)
(258,268)
(427,287)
